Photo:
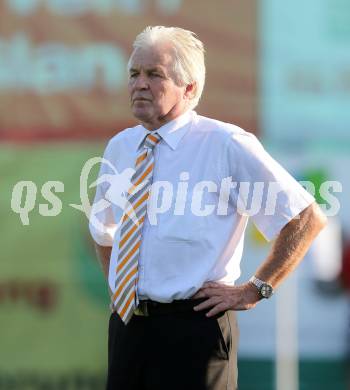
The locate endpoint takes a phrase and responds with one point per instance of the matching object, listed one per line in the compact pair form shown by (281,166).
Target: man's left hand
(222,297)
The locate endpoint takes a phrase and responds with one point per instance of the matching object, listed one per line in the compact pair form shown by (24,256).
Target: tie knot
(152,140)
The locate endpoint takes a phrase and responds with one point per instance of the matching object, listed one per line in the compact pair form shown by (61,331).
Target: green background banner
(53,297)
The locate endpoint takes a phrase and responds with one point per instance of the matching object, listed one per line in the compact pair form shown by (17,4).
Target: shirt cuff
(103,237)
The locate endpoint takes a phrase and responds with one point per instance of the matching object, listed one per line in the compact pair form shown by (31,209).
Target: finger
(206,292)
(199,294)
(211,284)
(207,304)
(217,309)
(203,293)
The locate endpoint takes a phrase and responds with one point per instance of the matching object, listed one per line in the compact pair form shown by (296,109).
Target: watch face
(266,290)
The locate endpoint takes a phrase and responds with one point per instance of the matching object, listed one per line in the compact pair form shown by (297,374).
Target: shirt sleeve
(102,224)
(264,190)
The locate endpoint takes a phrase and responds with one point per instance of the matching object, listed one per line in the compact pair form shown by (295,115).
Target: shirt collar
(173,131)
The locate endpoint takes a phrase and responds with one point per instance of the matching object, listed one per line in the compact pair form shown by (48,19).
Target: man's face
(155,96)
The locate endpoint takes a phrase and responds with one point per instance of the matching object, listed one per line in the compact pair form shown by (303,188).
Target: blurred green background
(278,69)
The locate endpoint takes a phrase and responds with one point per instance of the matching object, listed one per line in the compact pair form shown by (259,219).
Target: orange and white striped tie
(125,299)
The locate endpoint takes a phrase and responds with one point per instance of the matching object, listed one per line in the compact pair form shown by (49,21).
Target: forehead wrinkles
(151,57)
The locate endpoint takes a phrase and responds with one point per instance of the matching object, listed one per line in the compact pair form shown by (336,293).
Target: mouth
(139,99)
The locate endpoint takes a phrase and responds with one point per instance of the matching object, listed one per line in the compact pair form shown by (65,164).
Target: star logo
(120,190)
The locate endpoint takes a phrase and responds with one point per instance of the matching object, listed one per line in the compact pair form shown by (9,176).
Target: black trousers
(177,351)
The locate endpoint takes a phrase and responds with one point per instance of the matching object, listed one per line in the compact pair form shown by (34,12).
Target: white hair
(189,66)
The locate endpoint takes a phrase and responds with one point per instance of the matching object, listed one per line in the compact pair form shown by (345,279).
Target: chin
(141,114)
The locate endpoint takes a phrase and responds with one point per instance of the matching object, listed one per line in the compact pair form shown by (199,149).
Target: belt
(149,308)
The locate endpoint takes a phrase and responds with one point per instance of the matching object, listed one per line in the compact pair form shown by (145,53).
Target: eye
(133,75)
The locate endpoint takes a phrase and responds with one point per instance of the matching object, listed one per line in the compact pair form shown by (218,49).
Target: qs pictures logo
(118,185)
(116,188)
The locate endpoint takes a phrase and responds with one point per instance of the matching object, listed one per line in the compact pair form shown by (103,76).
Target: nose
(141,82)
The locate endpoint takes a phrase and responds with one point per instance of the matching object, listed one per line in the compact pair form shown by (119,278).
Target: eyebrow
(131,70)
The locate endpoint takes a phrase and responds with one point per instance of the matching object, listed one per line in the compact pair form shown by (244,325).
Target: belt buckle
(142,309)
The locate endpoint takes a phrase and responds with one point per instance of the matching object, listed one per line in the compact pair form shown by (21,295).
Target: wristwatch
(265,289)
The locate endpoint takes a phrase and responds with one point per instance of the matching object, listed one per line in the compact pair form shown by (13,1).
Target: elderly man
(172,252)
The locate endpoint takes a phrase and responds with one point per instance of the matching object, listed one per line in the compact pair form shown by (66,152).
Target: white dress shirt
(179,253)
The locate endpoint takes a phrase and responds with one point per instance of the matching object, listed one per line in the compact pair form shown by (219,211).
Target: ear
(190,90)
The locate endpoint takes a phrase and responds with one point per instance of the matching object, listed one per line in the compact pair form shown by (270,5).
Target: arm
(287,251)
(291,245)
(103,254)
